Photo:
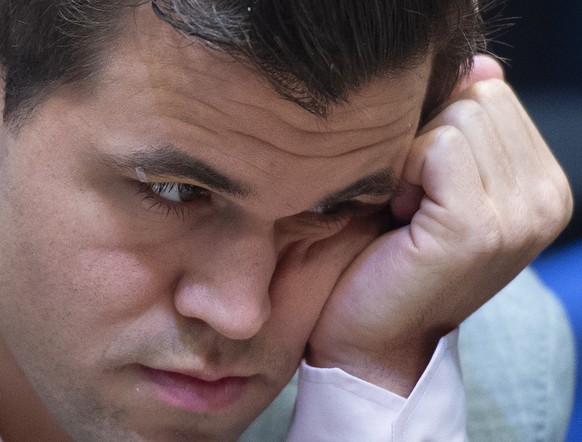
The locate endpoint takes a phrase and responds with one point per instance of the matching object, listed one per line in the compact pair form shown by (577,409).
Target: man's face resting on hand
(114,290)
(170,235)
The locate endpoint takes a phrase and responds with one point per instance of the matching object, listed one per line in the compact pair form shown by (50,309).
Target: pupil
(333,209)
(188,192)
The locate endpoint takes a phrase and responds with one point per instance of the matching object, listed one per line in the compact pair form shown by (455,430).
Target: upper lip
(203,375)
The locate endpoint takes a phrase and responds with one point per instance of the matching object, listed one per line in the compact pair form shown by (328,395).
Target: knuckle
(552,211)
(567,198)
(485,236)
(491,242)
(493,89)
(530,221)
(466,112)
(449,135)
(562,208)
(569,206)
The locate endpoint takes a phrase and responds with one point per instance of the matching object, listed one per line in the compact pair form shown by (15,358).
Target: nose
(227,286)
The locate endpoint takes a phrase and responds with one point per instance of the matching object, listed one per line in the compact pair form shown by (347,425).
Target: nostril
(243,320)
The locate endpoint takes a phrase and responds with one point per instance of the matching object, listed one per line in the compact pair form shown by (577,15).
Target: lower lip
(196,395)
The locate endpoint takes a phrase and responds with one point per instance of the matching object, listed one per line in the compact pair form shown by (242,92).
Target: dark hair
(313,52)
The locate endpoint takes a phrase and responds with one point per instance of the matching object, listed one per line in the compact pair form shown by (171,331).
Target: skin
(101,276)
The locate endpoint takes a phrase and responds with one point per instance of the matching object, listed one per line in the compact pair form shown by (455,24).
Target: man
(197,195)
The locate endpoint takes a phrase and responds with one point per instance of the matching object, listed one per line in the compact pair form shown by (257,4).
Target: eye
(332,209)
(174,198)
(337,216)
(331,216)
(178,192)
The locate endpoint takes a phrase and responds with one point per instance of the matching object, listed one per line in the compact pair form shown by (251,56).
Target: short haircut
(312,52)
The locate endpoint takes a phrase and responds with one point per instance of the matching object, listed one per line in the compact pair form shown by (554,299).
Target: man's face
(142,310)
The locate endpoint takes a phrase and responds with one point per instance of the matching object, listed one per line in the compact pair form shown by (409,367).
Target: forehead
(158,60)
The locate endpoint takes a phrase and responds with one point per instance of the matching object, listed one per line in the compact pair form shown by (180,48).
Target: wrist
(396,369)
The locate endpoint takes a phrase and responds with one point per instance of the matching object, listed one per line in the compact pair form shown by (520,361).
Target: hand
(481,196)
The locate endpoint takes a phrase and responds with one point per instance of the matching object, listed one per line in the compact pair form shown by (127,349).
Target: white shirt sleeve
(335,406)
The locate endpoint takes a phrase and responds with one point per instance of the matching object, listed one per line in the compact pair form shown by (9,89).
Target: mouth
(194,393)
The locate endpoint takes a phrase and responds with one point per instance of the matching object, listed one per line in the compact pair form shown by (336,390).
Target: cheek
(71,268)
(70,282)
(306,275)
(75,298)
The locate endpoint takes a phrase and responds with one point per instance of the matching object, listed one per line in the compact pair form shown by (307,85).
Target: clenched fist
(481,196)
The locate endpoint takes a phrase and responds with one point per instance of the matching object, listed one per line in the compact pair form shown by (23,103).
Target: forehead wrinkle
(270,130)
(285,136)
(226,98)
(323,125)
(326,141)
(259,141)
(390,95)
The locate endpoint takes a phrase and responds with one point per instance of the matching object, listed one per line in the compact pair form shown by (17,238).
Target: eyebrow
(171,161)
(168,160)
(381,183)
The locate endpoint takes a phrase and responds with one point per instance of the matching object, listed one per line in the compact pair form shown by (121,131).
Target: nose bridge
(229,288)
(250,253)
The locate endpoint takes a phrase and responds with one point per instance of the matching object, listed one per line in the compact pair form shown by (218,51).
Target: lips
(194,393)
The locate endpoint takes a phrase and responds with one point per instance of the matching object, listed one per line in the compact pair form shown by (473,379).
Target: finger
(526,150)
(469,117)
(485,67)
(513,123)
(441,162)
(405,203)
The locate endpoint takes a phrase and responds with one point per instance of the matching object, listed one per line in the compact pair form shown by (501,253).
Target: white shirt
(335,406)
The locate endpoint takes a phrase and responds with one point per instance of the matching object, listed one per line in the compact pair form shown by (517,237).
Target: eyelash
(334,217)
(151,193)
